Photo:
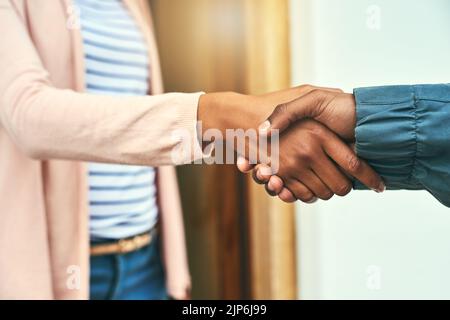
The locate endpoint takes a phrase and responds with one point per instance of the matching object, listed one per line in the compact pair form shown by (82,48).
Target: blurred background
(243,244)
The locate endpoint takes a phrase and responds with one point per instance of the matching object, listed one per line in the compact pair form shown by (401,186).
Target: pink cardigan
(44,238)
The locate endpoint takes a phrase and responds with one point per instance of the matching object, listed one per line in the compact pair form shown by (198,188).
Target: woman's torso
(122,199)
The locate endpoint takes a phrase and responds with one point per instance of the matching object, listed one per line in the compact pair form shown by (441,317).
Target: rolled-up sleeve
(404,134)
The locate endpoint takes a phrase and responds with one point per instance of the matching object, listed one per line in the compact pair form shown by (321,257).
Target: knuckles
(307,150)
(305,196)
(300,193)
(280,109)
(317,93)
(306,87)
(317,131)
(327,195)
(343,190)
(287,197)
(353,163)
(306,155)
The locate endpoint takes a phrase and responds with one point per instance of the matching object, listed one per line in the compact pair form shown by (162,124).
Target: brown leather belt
(123,246)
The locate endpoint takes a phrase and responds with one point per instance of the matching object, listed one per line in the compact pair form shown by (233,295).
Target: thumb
(286,114)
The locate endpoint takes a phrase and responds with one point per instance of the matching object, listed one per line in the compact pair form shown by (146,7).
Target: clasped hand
(316,159)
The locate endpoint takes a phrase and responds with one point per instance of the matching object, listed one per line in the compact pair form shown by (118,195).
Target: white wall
(370,246)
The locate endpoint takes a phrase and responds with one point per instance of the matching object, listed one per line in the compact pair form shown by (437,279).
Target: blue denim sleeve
(404,134)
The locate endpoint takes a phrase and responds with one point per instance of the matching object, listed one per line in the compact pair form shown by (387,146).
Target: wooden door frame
(271,222)
(241,242)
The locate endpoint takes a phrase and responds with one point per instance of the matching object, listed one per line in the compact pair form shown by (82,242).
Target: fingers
(275,185)
(327,182)
(261,174)
(269,192)
(346,158)
(257,178)
(315,185)
(286,196)
(244,165)
(300,191)
(336,181)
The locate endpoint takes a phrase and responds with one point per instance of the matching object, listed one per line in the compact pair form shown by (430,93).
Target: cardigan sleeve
(404,134)
(49,122)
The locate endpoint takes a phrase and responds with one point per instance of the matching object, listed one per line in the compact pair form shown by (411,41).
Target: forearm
(46,122)
(403,131)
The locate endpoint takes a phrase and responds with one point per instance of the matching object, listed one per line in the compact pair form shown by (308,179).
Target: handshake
(316,158)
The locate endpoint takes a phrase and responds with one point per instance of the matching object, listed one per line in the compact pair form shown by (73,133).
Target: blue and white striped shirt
(122,198)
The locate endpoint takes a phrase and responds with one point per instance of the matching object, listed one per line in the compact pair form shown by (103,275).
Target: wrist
(338,113)
(351,102)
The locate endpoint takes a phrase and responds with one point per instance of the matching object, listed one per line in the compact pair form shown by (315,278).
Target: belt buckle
(125,245)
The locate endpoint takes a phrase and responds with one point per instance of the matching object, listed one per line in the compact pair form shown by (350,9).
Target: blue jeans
(137,275)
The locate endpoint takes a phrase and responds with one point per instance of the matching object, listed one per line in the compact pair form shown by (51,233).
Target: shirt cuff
(386,133)
(189,148)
